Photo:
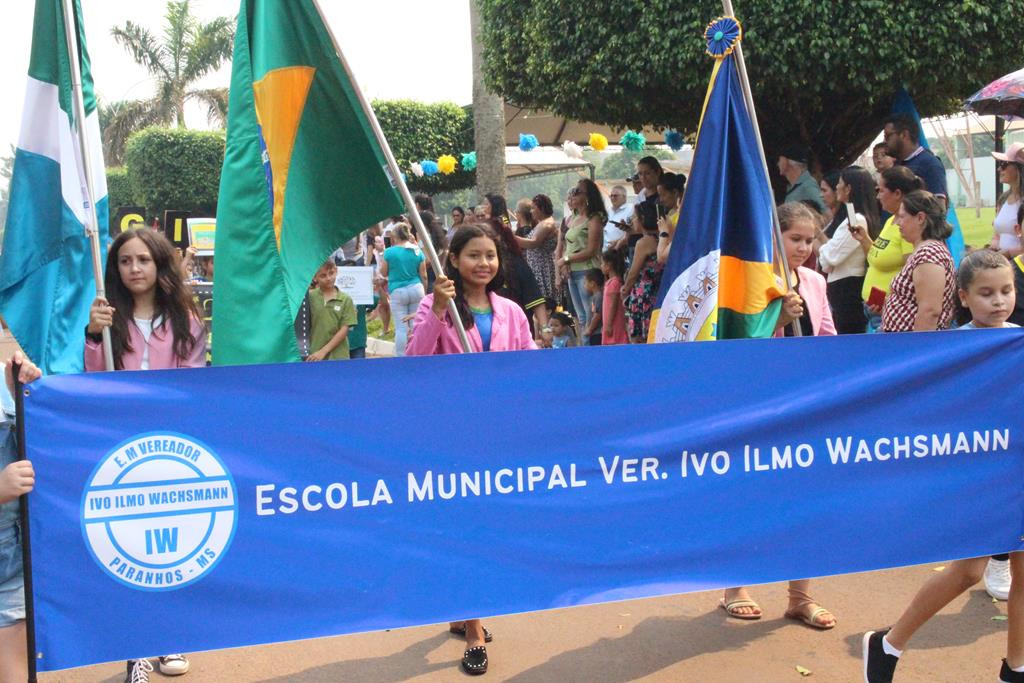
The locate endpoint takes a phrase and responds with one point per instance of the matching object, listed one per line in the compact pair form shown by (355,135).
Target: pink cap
(1014,153)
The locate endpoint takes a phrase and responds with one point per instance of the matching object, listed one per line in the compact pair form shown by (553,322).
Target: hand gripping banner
(267,503)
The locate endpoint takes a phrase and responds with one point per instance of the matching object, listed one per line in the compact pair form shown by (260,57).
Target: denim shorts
(12,581)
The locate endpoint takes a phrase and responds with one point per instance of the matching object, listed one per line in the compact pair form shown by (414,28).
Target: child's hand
(444,291)
(316,356)
(28,372)
(101,315)
(16,480)
(792,308)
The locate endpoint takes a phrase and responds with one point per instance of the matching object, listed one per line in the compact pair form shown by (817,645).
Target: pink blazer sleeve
(197,358)
(524,340)
(94,356)
(427,329)
(828,327)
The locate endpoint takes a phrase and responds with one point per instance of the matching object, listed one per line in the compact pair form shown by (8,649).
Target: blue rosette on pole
(722,36)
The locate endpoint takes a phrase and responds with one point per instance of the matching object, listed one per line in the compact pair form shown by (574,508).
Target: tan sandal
(814,618)
(731,608)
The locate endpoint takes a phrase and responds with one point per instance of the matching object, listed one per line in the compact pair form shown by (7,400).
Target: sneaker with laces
(138,671)
(878,666)
(997,579)
(1008,675)
(174,665)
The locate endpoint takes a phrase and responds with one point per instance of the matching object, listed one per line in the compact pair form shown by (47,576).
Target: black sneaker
(1008,675)
(878,666)
(138,671)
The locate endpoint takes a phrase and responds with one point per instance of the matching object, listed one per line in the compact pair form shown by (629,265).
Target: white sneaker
(174,665)
(997,579)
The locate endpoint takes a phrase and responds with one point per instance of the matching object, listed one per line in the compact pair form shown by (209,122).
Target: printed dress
(542,262)
(640,301)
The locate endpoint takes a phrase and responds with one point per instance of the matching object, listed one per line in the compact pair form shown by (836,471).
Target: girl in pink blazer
(472,271)
(808,301)
(807,304)
(153,321)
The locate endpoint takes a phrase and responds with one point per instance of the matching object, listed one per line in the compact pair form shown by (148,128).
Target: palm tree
(187,51)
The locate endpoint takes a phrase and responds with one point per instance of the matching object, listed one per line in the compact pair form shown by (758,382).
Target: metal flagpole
(91,220)
(741,67)
(396,176)
(26,548)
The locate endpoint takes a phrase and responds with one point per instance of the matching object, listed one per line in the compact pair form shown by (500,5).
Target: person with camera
(582,244)
(620,220)
(670,200)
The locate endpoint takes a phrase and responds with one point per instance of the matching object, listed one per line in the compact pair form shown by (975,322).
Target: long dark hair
(863,196)
(460,239)
(594,205)
(172,302)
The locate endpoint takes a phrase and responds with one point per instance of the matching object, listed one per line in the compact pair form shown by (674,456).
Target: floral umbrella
(1003,96)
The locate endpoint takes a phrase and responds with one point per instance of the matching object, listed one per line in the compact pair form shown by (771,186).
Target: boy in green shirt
(332,313)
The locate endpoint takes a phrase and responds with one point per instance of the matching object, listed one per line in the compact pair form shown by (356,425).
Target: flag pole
(396,177)
(91,220)
(26,547)
(748,98)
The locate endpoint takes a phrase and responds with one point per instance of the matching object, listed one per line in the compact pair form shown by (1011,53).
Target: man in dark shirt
(902,139)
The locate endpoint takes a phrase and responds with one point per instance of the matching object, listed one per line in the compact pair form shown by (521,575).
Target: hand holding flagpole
(91,220)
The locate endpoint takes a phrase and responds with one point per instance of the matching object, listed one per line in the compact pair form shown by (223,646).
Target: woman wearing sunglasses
(1011,173)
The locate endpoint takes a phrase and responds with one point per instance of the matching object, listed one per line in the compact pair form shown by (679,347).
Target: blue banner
(257,504)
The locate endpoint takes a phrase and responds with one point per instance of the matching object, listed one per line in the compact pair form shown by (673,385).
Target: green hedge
(119,192)
(175,168)
(418,131)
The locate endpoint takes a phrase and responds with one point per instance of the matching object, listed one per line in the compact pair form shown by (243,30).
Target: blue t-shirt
(928,168)
(403,267)
(483,326)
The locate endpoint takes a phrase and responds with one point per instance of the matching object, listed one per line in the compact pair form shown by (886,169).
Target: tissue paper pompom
(416,169)
(468,161)
(598,141)
(674,139)
(446,164)
(572,150)
(632,141)
(527,141)
(429,167)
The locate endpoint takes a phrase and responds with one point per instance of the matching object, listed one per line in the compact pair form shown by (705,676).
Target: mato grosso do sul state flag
(46,278)
(720,281)
(303,173)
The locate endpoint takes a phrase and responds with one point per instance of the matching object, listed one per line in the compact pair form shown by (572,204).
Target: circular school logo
(159,511)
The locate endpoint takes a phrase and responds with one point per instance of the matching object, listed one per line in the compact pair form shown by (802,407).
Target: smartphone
(876,298)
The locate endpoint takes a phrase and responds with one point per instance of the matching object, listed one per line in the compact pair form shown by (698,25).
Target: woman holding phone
(887,253)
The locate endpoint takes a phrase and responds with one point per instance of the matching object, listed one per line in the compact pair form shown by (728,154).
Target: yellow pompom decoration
(446,164)
(598,141)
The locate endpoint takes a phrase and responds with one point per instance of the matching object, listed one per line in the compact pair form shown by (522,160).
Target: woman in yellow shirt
(887,254)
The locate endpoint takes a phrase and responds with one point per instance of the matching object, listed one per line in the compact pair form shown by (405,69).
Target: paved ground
(681,638)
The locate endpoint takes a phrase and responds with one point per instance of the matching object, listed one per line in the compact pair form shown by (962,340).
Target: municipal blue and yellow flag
(303,172)
(46,278)
(720,281)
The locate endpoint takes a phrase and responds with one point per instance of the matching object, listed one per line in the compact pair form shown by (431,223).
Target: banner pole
(748,99)
(91,219)
(396,176)
(26,548)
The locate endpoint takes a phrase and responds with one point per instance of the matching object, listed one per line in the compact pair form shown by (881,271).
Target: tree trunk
(488,121)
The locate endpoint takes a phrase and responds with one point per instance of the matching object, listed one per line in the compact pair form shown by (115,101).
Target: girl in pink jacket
(472,271)
(153,321)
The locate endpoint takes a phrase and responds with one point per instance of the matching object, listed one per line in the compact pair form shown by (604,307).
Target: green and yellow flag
(303,173)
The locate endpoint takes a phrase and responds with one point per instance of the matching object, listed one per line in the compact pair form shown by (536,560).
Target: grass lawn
(977,231)
(373,329)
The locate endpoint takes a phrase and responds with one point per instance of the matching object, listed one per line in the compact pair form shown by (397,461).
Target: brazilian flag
(303,173)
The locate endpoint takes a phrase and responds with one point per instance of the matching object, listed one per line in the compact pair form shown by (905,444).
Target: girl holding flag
(154,325)
(472,274)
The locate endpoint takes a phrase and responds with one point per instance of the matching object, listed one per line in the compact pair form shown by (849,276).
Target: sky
(422,52)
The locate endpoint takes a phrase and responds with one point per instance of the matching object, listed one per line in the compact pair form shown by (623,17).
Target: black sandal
(488,636)
(474,660)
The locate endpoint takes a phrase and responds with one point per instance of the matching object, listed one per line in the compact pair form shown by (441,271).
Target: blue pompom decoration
(674,139)
(722,35)
(527,141)
(429,167)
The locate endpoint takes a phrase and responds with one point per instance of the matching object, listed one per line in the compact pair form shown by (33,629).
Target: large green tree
(822,73)
(186,51)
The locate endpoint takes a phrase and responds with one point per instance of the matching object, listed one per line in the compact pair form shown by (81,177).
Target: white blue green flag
(46,280)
